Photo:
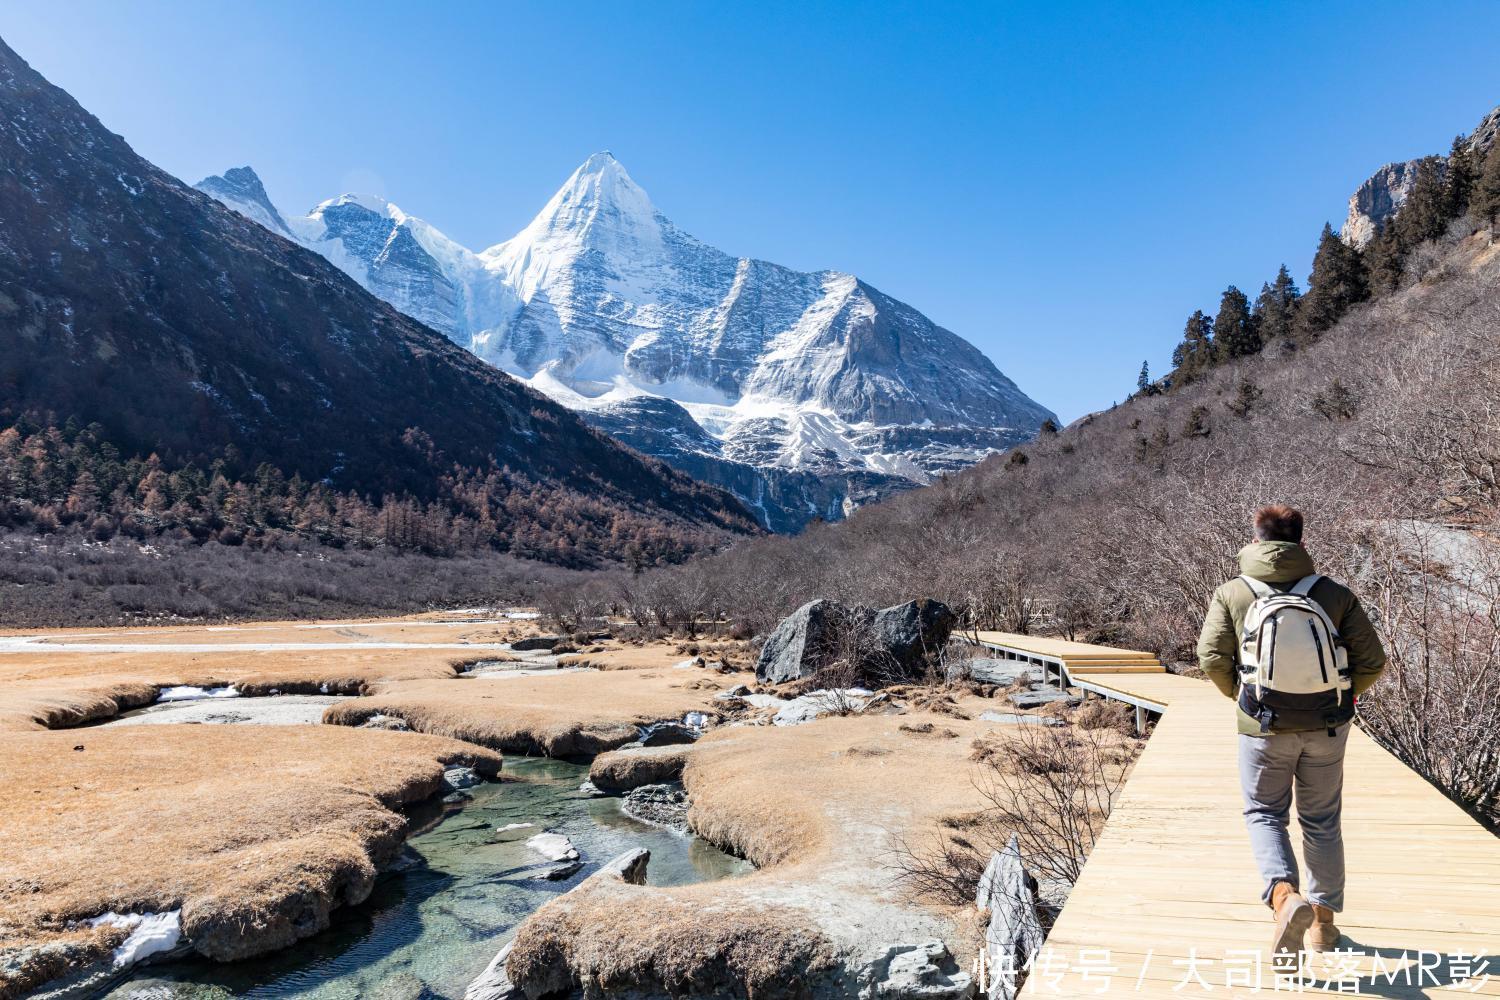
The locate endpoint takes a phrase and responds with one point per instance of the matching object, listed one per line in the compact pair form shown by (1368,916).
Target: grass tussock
(256,836)
(559,715)
(606,939)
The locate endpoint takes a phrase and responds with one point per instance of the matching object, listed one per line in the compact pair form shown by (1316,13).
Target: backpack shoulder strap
(1304,586)
(1258,588)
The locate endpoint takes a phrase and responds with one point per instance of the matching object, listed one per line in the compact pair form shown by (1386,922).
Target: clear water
(427,931)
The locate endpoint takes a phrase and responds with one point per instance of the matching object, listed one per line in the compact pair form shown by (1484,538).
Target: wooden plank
(1172,876)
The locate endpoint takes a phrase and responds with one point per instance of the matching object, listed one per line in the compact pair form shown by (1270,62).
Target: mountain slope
(131,300)
(813,391)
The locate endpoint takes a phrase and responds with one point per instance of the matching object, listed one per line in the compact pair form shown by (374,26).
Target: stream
(427,930)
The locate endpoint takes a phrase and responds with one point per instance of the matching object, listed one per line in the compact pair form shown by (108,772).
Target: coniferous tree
(1463,170)
(1484,201)
(1424,214)
(1338,281)
(1195,354)
(1275,311)
(1385,260)
(1235,335)
(1143,380)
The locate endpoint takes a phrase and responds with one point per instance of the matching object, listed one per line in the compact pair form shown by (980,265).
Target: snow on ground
(188,692)
(150,934)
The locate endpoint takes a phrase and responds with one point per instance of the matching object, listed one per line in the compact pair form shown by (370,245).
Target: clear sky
(1060,183)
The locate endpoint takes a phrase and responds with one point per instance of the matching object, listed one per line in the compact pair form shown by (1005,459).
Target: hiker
(1294,649)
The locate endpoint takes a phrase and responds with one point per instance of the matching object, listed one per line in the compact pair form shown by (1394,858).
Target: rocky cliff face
(1378,198)
(803,393)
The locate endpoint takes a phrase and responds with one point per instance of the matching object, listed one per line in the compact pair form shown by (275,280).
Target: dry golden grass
(819,808)
(622,770)
(256,836)
(55,690)
(577,714)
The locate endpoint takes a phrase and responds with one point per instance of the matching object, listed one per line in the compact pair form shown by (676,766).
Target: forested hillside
(171,369)
(1372,402)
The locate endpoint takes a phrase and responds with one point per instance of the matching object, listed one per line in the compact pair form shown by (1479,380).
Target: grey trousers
(1311,764)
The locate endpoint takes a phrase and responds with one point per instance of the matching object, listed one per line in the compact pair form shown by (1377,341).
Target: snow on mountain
(810,392)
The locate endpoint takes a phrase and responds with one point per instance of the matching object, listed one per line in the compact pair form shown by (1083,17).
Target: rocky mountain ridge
(805,394)
(1385,191)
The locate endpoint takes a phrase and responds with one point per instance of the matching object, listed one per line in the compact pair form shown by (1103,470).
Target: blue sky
(1059,183)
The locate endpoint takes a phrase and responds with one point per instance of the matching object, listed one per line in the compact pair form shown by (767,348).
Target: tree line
(72,480)
(1464,186)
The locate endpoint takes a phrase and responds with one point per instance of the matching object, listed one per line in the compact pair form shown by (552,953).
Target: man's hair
(1278,523)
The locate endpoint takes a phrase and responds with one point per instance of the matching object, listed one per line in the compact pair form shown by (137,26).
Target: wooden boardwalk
(1168,904)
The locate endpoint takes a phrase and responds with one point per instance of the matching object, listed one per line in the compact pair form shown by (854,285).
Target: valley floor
(246,838)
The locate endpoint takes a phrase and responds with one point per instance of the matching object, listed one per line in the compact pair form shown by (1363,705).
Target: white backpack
(1289,645)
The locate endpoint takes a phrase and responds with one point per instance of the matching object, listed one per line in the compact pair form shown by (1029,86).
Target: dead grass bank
(256,837)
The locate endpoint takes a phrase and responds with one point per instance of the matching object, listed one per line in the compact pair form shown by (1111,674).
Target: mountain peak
(240,188)
(599,206)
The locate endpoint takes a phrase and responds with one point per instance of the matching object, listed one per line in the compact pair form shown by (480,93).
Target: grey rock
(816,704)
(663,805)
(558,872)
(387,722)
(1008,893)
(1036,699)
(515,831)
(910,633)
(802,644)
(738,691)
(1005,672)
(459,778)
(923,971)
(547,642)
(494,982)
(1015,719)
(664,734)
(553,847)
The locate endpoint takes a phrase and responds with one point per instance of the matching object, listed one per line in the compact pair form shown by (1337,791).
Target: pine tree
(1484,201)
(1195,354)
(1235,335)
(1424,214)
(1385,260)
(1338,281)
(1275,311)
(1143,381)
(1463,171)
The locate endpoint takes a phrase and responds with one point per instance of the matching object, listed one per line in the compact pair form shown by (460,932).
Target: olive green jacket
(1282,563)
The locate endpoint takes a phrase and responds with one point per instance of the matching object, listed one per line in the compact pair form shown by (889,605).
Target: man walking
(1294,649)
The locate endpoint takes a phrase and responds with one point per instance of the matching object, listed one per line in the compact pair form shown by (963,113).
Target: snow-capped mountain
(804,393)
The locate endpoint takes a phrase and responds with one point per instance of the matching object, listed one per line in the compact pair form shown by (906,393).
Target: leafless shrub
(1053,788)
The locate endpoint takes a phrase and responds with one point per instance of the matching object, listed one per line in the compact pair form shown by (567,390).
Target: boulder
(1036,699)
(494,982)
(458,778)
(664,734)
(663,805)
(547,642)
(909,633)
(1004,673)
(800,646)
(558,872)
(553,847)
(923,971)
(1016,719)
(896,643)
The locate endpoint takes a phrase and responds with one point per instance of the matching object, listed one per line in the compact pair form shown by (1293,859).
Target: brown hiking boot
(1322,935)
(1293,916)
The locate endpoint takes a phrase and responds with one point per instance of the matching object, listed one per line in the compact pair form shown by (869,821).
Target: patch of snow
(187,692)
(150,934)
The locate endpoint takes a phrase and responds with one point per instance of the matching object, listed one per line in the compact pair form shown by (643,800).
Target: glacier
(806,394)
